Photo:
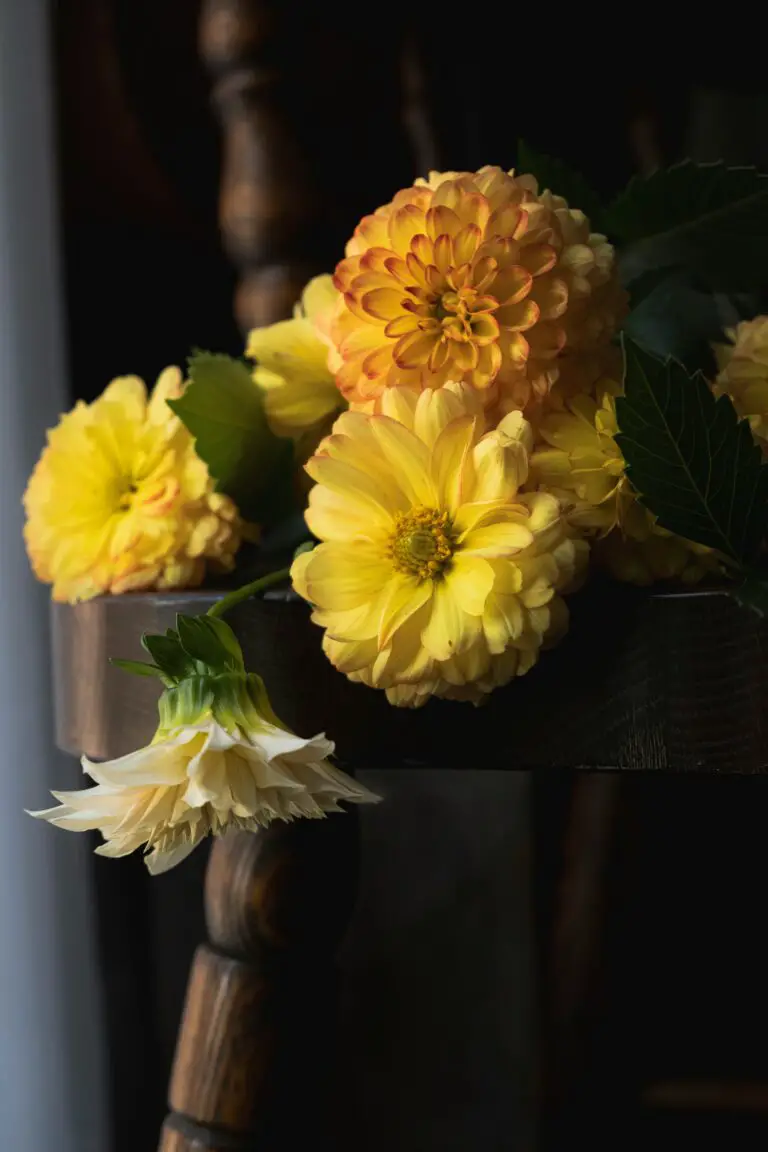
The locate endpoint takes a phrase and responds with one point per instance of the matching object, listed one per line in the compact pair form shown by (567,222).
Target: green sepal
(139,668)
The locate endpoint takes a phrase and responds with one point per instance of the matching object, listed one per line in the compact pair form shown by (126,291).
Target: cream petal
(161,763)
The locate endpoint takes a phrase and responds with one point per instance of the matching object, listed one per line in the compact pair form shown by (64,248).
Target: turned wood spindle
(255,1053)
(268,202)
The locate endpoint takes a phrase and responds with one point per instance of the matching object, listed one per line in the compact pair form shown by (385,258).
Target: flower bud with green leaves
(220,760)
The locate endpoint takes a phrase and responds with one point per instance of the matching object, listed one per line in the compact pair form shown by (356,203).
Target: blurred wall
(51,1042)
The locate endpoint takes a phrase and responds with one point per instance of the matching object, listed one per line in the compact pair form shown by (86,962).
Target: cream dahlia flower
(475,277)
(220,761)
(295,359)
(437,573)
(743,375)
(583,465)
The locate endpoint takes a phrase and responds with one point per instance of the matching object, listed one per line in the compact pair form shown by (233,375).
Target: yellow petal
(492,540)
(470,580)
(450,630)
(452,467)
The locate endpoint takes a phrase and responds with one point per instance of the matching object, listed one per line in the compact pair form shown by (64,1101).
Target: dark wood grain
(672,682)
(255,1049)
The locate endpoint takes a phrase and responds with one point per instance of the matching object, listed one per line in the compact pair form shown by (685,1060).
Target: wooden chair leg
(255,1052)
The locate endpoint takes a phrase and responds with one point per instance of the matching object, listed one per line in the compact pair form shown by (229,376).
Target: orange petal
(484,271)
(401,326)
(546,341)
(398,268)
(512,285)
(442,220)
(475,209)
(417,268)
(383,303)
(483,304)
(538,258)
(465,355)
(448,195)
(443,253)
(413,350)
(518,349)
(465,243)
(421,246)
(551,296)
(406,223)
(438,356)
(378,362)
(484,329)
(518,317)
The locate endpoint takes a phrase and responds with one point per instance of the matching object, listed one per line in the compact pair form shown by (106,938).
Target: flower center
(128,489)
(422,543)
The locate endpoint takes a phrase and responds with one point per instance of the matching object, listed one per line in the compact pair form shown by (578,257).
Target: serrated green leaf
(139,668)
(168,655)
(556,176)
(693,462)
(752,593)
(705,217)
(224,411)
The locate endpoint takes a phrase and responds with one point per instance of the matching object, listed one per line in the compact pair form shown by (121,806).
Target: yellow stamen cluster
(422,543)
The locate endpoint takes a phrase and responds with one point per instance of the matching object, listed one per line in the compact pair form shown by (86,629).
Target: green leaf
(139,668)
(562,181)
(227,641)
(678,319)
(201,643)
(705,217)
(752,593)
(689,456)
(224,411)
(168,655)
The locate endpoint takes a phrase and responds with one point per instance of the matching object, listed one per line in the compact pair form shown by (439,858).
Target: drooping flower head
(743,376)
(582,464)
(437,574)
(295,362)
(475,277)
(220,761)
(120,500)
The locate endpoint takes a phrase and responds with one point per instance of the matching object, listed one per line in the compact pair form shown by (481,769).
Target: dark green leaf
(285,536)
(677,319)
(692,460)
(562,181)
(224,411)
(705,217)
(168,655)
(752,593)
(227,641)
(138,668)
(200,640)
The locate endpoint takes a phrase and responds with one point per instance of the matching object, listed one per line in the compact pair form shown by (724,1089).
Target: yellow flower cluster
(580,462)
(120,501)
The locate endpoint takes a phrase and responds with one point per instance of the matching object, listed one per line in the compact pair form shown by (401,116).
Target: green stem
(247,590)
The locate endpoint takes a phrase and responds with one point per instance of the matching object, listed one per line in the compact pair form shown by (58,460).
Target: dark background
(664,1036)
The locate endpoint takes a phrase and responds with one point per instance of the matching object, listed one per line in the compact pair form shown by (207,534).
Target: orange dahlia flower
(478,278)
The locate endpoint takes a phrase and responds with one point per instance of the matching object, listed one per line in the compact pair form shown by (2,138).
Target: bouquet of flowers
(504,386)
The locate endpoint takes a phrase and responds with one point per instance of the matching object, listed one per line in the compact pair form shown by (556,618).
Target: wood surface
(255,1051)
(674,682)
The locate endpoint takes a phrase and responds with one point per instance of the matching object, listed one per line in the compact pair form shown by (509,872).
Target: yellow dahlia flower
(294,364)
(743,374)
(474,277)
(220,761)
(437,574)
(583,465)
(119,499)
